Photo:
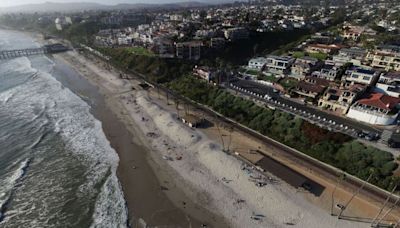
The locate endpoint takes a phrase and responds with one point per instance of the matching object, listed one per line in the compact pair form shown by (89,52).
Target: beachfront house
(304,66)
(328,72)
(279,64)
(376,108)
(338,98)
(257,63)
(311,87)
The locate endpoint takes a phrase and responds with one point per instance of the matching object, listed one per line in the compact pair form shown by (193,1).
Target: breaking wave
(68,174)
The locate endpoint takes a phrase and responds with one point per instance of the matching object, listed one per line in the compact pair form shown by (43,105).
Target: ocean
(57,168)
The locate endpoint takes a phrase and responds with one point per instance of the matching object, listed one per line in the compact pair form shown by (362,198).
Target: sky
(6,3)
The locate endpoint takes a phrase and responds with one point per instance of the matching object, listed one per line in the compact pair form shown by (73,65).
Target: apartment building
(188,50)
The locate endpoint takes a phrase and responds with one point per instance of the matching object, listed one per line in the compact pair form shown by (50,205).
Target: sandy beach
(200,181)
(145,181)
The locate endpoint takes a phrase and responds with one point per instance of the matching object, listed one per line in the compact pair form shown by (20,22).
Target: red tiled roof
(380,100)
(314,88)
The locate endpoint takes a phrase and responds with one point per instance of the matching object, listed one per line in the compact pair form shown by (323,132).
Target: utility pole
(354,195)
(397,223)
(230,138)
(167,97)
(185,107)
(388,211)
(340,178)
(220,133)
(383,206)
(177,106)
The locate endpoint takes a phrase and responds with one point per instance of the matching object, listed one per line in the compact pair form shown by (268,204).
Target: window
(366,78)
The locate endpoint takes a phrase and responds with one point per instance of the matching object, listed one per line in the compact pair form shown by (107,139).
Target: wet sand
(152,194)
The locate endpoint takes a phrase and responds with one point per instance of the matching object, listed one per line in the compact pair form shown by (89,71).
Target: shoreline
(127,112)
(204,167)
(174,208)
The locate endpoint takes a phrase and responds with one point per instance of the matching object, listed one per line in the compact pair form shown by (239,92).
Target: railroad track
(351,182)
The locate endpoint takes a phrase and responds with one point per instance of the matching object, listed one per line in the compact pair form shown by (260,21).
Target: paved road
(321,118)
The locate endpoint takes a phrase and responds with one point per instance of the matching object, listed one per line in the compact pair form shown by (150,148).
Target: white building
(257,63)
(377,109)
(389,84)
(327,71)
(62,22)
(362,76)
(279,64)
(238,33)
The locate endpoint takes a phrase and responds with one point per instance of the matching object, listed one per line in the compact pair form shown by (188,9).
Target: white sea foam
(7,185)
(110,208)
(81,132)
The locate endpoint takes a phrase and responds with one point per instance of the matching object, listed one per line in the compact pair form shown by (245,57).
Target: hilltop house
(311,87)
(328,72)
(239,33)
(164,48)
(279,64)
(361,76)
(257,63)
(304,66)
(338,98)
(352,32)
(385,57)
(352,55)
(62,22)
(189,50)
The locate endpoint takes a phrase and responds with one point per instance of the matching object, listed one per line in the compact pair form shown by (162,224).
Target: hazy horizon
(9,3)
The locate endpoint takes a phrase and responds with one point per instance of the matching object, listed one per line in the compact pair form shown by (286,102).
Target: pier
(47,49)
